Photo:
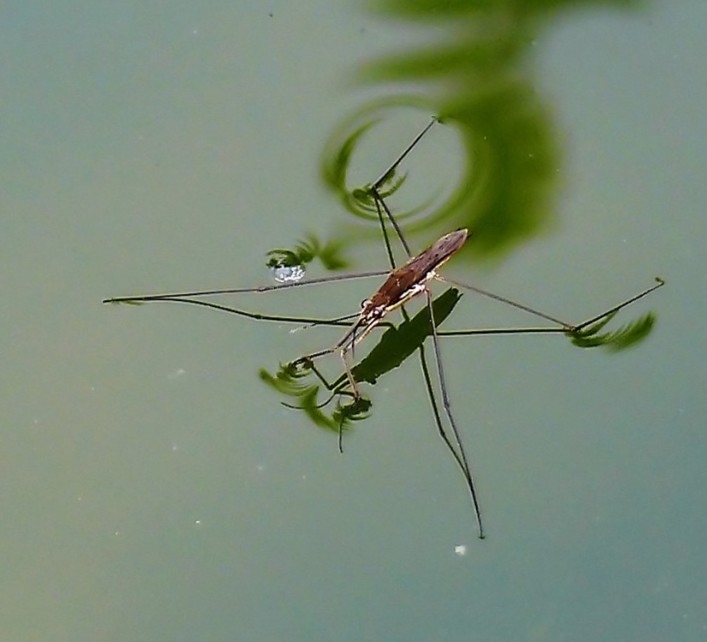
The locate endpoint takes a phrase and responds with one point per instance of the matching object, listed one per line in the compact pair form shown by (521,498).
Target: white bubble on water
(288,273)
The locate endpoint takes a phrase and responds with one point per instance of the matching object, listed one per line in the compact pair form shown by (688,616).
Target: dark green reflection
(519,10)
(478,81)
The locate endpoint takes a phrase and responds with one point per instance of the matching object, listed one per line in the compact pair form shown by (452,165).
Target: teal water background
(154,489)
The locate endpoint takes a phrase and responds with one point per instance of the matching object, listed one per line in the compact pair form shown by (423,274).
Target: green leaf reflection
(624,337)
(305,251)
(476,77)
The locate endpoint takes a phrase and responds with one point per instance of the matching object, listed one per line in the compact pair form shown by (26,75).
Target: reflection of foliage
(507,135)
(360,201)
(335,163)
(304,382)
(626,336)
(509,168)
(306,251)
(288,381)
(477,81)
(510,9)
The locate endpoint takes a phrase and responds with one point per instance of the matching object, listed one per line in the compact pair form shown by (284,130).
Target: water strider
(400,286)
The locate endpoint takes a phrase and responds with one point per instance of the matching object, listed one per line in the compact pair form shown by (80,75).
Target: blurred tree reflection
(477,80)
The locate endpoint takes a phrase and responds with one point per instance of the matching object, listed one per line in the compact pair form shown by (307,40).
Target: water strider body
(402,284)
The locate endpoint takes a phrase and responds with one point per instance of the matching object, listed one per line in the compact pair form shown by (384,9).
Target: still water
(155,489)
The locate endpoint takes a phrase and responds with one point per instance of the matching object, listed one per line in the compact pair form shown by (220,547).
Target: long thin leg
(344,345)
(386,239)
(502,299)
(492,331)
(384,176)
(262,288)
(435,412)
(379,199)
(257,315)
(564,327)
(464,464)
(458,453)
(659,284)
(349,372)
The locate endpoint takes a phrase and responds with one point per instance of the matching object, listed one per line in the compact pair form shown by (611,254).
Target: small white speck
(260,468)
(116,533)
(460,550)
(175,448)
(179,372)
(195,32)
(197,522)
(79,498)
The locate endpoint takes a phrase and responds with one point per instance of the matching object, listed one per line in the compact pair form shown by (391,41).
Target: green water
(154,489)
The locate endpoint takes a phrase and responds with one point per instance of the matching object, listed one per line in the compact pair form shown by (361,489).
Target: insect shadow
(302,381)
